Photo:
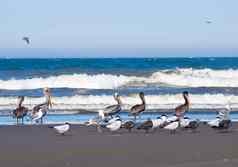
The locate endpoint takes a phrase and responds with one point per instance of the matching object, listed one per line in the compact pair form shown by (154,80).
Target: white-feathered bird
(153,123)
(37,116)
(62,129)
(172,126)
(222,121)
(188,123)
(114,124)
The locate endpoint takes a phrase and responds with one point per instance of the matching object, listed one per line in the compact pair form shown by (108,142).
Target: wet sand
(37,146)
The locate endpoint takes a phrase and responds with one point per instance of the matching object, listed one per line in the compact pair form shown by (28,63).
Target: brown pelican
(113,109)
(139,108)
(20,112)
(27,39)
(181,109)
(44,107)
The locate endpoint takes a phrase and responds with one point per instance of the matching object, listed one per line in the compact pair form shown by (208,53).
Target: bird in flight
(208,22)
(27,39)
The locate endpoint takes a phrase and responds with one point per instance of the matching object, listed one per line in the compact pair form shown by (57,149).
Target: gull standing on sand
(189,124)
(114,124)
(223,119)
(62,129)
(153,123)
(172,126)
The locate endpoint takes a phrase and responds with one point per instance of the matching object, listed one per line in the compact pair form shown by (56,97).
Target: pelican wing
(112,109)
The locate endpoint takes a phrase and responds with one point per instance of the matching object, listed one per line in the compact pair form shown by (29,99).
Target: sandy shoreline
(38,146)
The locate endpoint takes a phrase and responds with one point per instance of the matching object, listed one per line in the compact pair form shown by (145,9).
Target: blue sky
(119,25)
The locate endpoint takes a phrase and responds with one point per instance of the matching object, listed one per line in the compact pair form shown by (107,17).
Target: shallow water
(81,118)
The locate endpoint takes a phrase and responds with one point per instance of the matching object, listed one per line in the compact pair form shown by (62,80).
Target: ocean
(80,85)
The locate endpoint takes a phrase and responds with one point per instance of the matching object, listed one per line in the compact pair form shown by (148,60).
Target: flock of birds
(109,119)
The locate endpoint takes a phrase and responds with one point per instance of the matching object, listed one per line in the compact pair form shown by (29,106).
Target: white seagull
(222,121)
(62,129)
(153,123)
(159,121)
(172,126)
(114,124)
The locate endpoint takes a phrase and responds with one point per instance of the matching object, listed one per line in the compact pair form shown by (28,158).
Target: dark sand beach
(36,146)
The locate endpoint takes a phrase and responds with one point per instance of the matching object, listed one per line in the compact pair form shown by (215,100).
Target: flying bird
(208,21)
(27,39)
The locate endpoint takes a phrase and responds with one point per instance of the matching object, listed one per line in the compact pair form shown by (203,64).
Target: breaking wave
(180,77)
(90,102)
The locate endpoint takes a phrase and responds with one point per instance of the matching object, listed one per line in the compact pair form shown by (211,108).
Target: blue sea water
(88,84)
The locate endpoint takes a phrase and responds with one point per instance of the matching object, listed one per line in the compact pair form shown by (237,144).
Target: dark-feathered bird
(208,22)
(27,39)
(139,108)
(129,125)
(181,109)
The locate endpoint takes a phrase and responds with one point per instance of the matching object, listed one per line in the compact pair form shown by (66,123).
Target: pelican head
(185,93)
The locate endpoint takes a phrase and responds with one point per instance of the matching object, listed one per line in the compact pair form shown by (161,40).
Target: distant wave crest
(180,77)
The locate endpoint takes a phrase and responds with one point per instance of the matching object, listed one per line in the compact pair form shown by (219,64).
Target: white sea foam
(179,77)
(207,101)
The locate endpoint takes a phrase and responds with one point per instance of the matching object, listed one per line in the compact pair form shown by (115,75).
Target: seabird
(139,108)
(93,122)
(222,121)
(114,124)
(20,112)
(37,116)
(208,21)
(189,124)
(129,125)
(181,109)
(153,123)
(62,129)
(27,39)
(113,109)
(172,126)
